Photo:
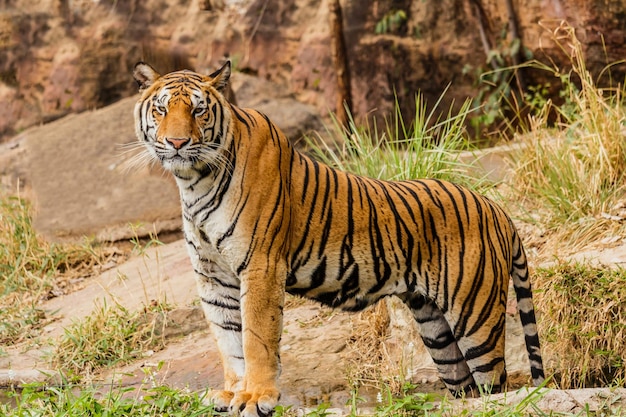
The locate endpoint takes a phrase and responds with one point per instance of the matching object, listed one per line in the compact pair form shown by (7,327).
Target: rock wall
(64,56)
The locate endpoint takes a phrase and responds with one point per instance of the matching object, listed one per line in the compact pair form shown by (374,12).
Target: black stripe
(523,292)
(489,366)
(229,325)
(221,304)
(448,361)
(307,226)
(229,232)
(442,340)
(527,317)
(495,334)
(239,115)
(217,280)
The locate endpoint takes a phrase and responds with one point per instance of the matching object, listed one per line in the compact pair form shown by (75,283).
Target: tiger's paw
(259,404)
(220,400)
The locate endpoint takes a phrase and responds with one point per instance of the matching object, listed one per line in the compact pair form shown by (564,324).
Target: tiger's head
(182,117)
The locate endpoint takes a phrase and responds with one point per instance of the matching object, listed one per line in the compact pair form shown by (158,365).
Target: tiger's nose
(177,143)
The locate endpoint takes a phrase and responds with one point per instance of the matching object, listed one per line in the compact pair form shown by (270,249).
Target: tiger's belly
(349,286)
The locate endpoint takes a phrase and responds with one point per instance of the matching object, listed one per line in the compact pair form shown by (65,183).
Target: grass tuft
(583,323)
(429,147)
(574,173)
(369,362)
(110,336)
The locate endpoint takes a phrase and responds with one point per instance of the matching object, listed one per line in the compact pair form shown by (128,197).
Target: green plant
(109,336)
(74,401)
(391,22)
(497,96)
(140,246)
(408,404)
(353,401)
(575,173)
(428,147)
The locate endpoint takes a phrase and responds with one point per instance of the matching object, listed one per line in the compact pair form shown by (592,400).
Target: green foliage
(26,261)
(429,147)
(391,22)
(73,400)
(409,403)
(496,95)
(36,400)
(109,336)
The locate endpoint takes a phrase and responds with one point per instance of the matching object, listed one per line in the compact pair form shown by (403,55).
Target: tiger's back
(261,219)
(422,235)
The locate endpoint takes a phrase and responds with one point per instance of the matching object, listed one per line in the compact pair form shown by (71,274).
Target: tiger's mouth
(175,158)
(194,156)
(172,159)
(200,159)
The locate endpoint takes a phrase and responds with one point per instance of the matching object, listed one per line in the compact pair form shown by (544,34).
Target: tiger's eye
(198,111)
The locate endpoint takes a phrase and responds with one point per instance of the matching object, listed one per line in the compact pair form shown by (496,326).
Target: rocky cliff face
(62,56)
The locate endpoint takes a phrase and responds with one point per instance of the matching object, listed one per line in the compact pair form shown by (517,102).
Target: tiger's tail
(521,283)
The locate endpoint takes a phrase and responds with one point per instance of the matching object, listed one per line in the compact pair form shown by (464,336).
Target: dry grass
(583,323)
(573,175)
(370,363)
(32,270)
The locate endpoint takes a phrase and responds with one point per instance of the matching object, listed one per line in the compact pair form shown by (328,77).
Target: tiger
(262,219)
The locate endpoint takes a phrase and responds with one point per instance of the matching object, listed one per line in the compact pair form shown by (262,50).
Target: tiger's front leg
(220,294)
(262,300)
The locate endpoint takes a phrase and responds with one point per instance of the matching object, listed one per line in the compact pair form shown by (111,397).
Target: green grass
(147,400)
(572,173)
(32,270)
(74,400)
(109,336)
(428,147)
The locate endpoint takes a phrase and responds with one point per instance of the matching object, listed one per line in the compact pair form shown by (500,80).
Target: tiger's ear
(219,79)
(145,75)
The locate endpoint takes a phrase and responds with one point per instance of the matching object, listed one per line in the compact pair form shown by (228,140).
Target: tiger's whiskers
(135,157)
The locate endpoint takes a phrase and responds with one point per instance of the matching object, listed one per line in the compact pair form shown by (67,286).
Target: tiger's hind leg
(484,352)
(441,344)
